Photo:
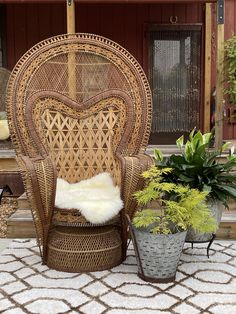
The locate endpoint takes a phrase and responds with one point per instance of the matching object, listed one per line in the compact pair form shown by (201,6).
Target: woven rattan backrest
(79,67)
(83,140)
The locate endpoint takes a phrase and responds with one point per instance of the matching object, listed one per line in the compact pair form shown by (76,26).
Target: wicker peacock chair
(79,105)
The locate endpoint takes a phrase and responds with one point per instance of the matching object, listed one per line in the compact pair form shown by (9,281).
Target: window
(175,76)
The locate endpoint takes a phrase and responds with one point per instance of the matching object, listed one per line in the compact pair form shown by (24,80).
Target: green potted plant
(159,230)
(230,90)
(199,167)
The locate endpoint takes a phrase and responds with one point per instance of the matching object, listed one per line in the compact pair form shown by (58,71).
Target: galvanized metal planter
(216,208)
(157,254)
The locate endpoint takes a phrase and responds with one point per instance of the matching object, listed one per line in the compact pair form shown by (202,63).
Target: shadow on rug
(202,286)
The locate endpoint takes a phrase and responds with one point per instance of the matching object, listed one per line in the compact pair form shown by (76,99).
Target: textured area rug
(202,285)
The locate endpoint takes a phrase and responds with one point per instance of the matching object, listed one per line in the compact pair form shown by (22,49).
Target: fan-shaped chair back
(79,98)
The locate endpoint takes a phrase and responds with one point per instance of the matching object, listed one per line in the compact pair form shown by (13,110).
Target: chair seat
(73,218)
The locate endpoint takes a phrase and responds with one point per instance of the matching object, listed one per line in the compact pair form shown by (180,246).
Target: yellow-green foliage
(178,206)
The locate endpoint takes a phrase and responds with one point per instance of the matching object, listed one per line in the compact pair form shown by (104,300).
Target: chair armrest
(132,168)
(39,177)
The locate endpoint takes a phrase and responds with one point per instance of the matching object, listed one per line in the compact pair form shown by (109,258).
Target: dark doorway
(175,76)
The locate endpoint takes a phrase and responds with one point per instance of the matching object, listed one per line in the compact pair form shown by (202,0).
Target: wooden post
(219,75)
(207,80)
(70,6)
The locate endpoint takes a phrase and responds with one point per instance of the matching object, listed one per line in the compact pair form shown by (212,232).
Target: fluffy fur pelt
(96,198)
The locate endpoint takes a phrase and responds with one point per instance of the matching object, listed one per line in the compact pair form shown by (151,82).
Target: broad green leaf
(187,166)
(231,157)
(211,157)
(185,178)
(188,150)
(225,146)
(180,142)
(221,196)
(227,177)
(176,161)
(206,138)
(232,150)
(229,165)
(230,190)
(192,133)
(158,154)
(197,140)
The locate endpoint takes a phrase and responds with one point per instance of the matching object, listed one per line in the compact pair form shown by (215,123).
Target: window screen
(176,80)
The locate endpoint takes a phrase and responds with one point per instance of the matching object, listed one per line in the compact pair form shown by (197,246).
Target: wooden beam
(110,1)
(207,79)
(70,10)
(70,6)
(219,80)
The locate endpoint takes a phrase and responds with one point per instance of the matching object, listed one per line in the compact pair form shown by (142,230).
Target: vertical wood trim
(71,56)
(207,78)
(219,85)
(70,16)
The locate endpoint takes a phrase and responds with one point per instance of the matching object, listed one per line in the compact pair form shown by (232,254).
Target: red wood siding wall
(27,24)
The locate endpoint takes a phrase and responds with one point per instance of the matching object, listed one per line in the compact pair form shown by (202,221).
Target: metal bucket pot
(157,254)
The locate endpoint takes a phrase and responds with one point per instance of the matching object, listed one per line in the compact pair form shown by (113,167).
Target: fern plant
(178,206)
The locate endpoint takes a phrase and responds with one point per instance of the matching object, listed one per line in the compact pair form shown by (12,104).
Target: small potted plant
(159,232)
(199,167)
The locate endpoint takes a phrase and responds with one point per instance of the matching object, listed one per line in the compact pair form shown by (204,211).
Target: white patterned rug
(202,286)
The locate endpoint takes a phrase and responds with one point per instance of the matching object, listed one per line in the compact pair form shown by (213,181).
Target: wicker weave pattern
(133,167)
(78,105)
(61,217)
(38,66)
(39,178)
(91,135)
(96,248)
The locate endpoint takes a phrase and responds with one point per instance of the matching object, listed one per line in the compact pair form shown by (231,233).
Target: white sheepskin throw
(96,198)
